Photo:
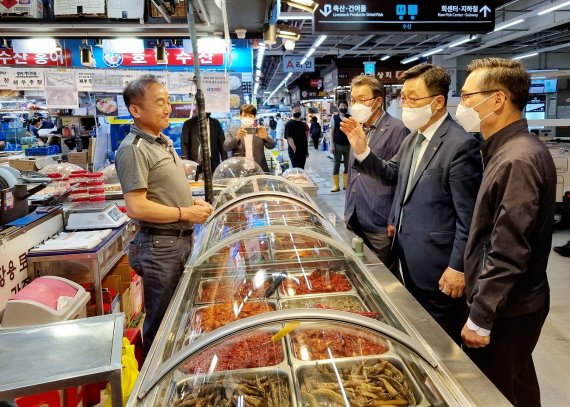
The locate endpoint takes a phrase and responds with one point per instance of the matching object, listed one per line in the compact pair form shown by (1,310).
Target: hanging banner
(60,58)
(28,78)
(181,83)
(216,92)
(293,64)
(5,78)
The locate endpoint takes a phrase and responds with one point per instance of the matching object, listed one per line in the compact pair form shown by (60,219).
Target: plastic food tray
(258,293)
(284,293)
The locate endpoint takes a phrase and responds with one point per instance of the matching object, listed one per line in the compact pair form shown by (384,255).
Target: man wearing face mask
(368,198)
(438,171)
(296,135)
(191,144)
(511,233)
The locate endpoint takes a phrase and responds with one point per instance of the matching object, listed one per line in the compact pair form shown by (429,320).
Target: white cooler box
(38,303)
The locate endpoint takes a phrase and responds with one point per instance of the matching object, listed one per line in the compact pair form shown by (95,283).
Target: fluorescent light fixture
(435,51)
(123,45)
(410,59)
(288,76)
(551,9)
(307,5)
(258,72)
(311,52)
(287,32)
(303,60)
(295,15)
(212,44)
(319,41)
(266,92)
(509,24)
(385,58)
(459,42)
(525,56)
(34,46)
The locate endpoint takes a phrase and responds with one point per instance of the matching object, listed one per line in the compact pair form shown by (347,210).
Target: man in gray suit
(438,171)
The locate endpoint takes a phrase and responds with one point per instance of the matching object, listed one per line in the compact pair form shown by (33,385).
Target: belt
(167,232)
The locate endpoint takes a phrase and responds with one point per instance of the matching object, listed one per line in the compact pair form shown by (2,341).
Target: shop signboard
(465,16)
(293,64)
(27,79)
(84,79)
(330,81)
(295,96)
(370,68)
(10,58)
(175,57)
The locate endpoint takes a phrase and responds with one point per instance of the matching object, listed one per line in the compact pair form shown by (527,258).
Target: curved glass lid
(301,358)
(258,211)
(260,183)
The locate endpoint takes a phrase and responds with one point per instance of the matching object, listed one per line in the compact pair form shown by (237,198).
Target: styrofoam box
(125,9)
(26,8)
(75,7)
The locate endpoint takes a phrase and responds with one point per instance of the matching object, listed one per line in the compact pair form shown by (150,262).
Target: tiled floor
(552,355)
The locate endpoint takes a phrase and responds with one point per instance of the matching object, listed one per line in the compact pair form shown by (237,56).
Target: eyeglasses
(363,101)
(465,96)
(412,101)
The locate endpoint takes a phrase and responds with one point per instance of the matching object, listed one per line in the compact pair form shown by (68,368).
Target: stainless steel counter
(458,367)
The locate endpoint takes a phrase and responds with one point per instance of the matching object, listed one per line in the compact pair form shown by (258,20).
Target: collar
(500,138)
(161,139)
(430,131)
(376,122)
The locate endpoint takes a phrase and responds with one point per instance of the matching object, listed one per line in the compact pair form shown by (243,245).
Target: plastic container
(96,198)
(65,181)
(94,176)
(96,192)
(92,184)
(57,183)
(77,177)
(80,195)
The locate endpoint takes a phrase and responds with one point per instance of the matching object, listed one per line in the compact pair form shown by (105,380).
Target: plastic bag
(129,373)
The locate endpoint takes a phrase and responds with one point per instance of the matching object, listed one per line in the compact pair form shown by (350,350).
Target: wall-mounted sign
(330,81)
(28,79)
(9,57)
(466,16)
(293,64)
(176,57)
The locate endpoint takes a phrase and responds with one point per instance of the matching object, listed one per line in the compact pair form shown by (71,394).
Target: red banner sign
(60,58)
(176,57)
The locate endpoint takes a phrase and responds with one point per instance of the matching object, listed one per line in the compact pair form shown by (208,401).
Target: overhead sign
(370,68)
(175,56)
(11,58)
(293,64)
(330,81)
(477,16)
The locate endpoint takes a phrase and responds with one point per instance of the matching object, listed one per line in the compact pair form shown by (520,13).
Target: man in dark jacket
(190,141)
(510,237)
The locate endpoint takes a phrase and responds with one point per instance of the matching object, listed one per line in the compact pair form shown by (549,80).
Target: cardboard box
(78,7)
(179,10)
(24,8)
(24,165)
(81,158)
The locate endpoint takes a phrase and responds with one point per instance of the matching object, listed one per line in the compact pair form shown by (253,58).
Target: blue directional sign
(465,16)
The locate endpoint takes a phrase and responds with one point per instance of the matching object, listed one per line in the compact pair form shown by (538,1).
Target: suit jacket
(432,222)
(367,194)
(190,141)
(238,149)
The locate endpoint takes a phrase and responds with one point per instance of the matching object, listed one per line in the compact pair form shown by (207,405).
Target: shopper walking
(279,132)
(272,127)
(250,141)
(511,233)
(315,131)
(373,135)
(296,135)
(340,147)
(157,197)
(192,145)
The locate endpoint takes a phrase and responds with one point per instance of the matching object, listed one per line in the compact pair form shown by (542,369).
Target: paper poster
(181,83)
(62,99)
(216,92)
(84,79)
(60,79)
(5,78)
(106,104)
(27,78)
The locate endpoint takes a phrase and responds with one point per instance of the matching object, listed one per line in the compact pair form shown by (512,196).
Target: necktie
(419,140)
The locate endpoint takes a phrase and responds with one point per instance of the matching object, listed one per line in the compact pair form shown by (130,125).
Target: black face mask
(296,115)
(343,110)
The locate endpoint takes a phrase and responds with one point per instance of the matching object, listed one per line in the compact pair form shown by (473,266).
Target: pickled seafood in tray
(207,319)
(230,289)
(260,389)
(318,344)
(369,383)
(348,303)
(243,352)
(319,281)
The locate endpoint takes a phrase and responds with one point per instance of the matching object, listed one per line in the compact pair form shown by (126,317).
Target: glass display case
(274,309)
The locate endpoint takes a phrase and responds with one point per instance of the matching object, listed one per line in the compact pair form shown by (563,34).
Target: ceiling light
(311,52)
(289,45)
(269,34)
(435,51)
(307,5)
(240,32)
(510,24)
(551,9)
(459,42)
(302,62)
(385,58)
(526,56)
(287,32)
(123,45)
(295,15)
(408,60)
(319,41)
(34,46)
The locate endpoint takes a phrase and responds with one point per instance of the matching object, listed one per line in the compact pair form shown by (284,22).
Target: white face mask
(361,112)
(416,117)
(469,119)
(247,122)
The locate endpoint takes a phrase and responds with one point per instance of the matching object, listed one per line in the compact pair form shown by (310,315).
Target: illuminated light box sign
(10,58)
(176,57)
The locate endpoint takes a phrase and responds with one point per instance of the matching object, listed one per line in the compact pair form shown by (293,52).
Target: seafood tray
(314,342)
(320,280)
(209,317)
(224,257)
(286,242)
(228,289)
(250,350)
(367,381)
(253,387)
(293,254)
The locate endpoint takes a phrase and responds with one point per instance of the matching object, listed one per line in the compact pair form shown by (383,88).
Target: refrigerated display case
(274,309)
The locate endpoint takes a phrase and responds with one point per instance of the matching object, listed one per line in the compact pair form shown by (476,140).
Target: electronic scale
(95,215)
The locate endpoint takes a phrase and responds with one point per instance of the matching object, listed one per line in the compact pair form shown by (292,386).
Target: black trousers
(507,360)
(298,159)
(380,246)
(450,313)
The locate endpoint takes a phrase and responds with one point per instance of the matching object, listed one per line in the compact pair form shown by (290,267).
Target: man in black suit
(438,172)
(190,141)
